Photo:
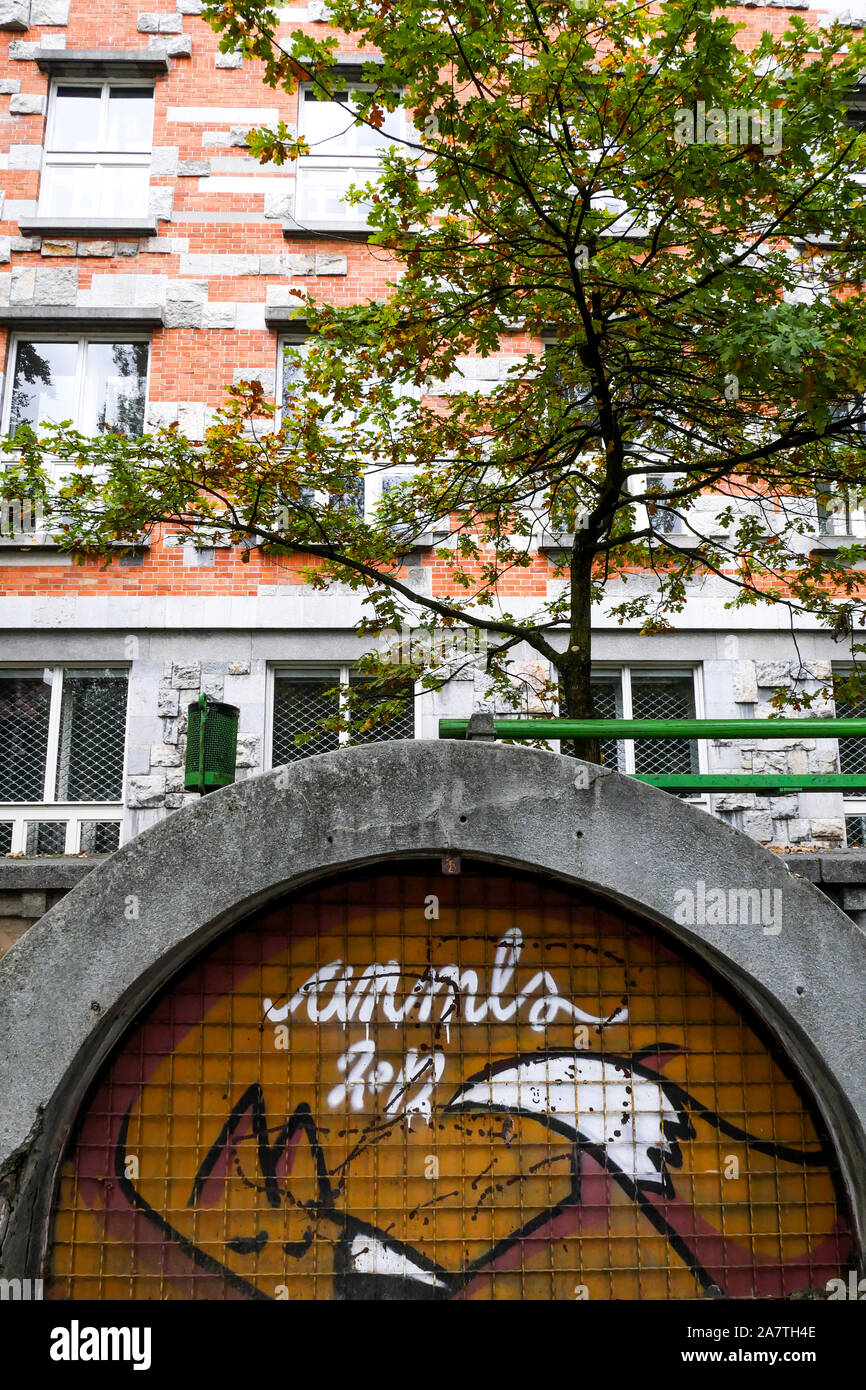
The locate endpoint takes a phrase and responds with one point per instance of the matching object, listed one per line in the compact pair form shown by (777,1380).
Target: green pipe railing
(695,729)
(664,728)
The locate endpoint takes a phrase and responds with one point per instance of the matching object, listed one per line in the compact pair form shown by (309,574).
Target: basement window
(303,697)
(631,692)
(62,743)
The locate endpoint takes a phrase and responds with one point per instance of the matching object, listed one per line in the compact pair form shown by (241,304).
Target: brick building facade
(150,261)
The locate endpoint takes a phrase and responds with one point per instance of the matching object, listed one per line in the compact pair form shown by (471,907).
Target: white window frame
(23,813)
(337,671)
(36,335)
(853,518)
(625,671)
(99,158)
(361,167)
(853,803)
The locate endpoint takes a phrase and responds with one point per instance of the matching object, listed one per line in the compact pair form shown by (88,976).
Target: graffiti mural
(414,1086)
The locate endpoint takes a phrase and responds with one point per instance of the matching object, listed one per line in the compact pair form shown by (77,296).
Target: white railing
(69,827)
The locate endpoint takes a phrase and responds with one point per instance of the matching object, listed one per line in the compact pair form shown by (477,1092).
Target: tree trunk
(575,666)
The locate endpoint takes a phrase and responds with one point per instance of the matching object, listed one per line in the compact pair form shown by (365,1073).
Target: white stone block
(265,375)
(332,265)
(14,14)
(772,674)
(160,203)
(190,419)
(23,285)
(279,203)
(251,317)
(745,683)
(49,12)
(26,104)
(219,316)
(25,157)
(164,160)
(145,791)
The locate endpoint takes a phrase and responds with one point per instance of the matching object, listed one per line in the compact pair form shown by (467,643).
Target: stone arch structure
(71,986)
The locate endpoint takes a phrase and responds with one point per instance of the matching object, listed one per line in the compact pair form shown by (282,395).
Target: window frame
(853,803)
(360,166)
(81,375)
(100,157)
(625,671)
(340,671)
(49,808)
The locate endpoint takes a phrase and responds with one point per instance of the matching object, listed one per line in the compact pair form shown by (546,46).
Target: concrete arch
(70,987)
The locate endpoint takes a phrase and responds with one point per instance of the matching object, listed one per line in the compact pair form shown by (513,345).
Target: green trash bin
(211,745)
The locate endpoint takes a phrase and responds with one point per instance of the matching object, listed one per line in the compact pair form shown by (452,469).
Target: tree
(678,219)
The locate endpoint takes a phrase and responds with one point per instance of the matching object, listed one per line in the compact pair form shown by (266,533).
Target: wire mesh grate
(607,700)
(855,832)
(6,828)
(92,735)
(99,836)
(45,836)
(25,703)
(300,703)
(663,697)
(401,724)
(348,1099)
(852,751)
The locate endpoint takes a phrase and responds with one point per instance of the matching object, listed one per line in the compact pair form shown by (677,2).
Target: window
(287,375)
(97,151)
(303,697)
(99,384)
(633,693)
(661,515)
(341,153)
(852,760)
(62,739)
(840,513)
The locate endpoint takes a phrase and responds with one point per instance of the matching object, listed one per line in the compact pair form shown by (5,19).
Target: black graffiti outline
(449,1282)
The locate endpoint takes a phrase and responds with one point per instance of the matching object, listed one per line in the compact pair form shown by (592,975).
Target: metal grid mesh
(663,697)
(6,828)
(855,831)
(300,702)
(400,725)
(46,836)
(25,702)
(307,1142)
(99,836)
(92,736)
(852,751)
(607,700)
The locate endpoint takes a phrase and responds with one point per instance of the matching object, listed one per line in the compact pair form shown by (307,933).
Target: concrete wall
(30,887)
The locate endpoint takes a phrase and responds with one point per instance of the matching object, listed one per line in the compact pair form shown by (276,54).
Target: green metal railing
(695,729)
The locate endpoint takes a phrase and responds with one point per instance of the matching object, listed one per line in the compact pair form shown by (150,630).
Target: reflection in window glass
(77,118)
(97,157)
(66,187)
(44,385)
(117,375)
(99,389)
(329,127)
(130,119)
